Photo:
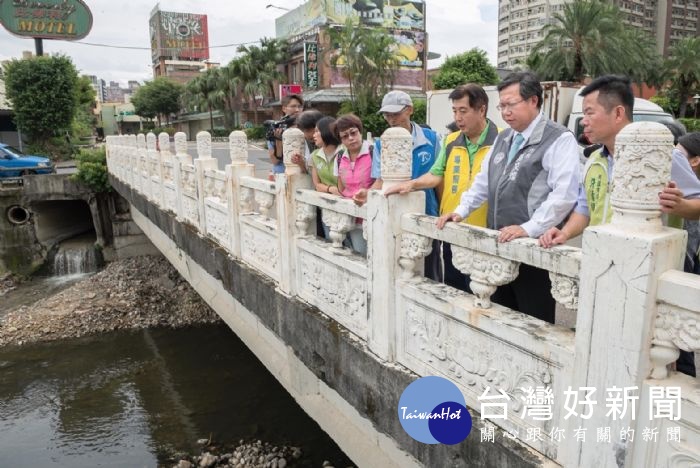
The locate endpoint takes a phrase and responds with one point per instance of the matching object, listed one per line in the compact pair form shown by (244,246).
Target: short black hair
(325,127)
(476,94)
(676,128)
(285,100)
(529,85)
(307,120)
(613,90)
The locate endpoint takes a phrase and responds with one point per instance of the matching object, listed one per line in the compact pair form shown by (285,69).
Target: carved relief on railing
(293,142)
(414,248)
(153,157)
(336,291)
(259,247)
(203,145)
(305,214)
(675,328)
(642,169)
(190,204)
(246,200)
(564,290)
(215,186)
(486,271)
(238,148)
(339,225)
(397,150)
(180,144)
(451,348)
(264,201)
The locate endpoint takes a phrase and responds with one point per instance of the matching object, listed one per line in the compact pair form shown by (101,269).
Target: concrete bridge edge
(354,434)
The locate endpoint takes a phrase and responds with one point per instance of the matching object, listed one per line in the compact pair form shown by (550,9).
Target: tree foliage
(92,169)
(44,96)
(588,37)
(203,92)
(367,59)
(683,68)
(158,97)
(469,67)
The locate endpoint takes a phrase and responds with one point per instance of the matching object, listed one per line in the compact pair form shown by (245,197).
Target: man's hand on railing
(553,236)
(403,187)
(444,219)
(360,198)
(509,233)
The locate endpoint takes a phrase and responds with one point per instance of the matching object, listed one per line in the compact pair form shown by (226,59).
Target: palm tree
(683,64)
(202,91)
(588,37)
(368,60)
(257,68)
(228,84)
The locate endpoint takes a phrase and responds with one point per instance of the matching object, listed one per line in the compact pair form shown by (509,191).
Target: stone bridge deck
(346,334)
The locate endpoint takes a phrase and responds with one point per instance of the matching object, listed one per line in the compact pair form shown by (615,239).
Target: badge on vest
(499,158)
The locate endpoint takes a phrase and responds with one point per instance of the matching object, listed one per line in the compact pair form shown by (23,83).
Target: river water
(139,398)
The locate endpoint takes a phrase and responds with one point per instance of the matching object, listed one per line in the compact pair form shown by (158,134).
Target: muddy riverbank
(132,293)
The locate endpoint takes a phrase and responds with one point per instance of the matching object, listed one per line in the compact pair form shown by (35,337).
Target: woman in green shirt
(323,158)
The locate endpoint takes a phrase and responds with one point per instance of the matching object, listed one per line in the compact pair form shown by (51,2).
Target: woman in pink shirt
(353,168)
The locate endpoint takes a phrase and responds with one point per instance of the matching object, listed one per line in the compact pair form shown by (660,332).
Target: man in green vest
(607,108)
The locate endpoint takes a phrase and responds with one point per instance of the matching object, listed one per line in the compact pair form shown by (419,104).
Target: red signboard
(179,36)
(287,89)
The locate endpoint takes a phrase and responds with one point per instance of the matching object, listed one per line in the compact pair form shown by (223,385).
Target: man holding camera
(291,107)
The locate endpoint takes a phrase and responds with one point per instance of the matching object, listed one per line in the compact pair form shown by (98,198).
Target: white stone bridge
(346,334)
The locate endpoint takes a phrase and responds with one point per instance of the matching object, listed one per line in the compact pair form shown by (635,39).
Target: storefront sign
(46,19)
(311,65)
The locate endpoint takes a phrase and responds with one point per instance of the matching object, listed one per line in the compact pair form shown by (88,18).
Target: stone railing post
(203,163)
(142,164)
(384,238)
(239,167)
(620,269)
(287,184)
(154,169)
(163,156)
(133,173)
(181,157)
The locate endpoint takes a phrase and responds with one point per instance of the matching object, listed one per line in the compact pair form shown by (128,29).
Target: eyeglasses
(350,133)
(505,107)
(389,115)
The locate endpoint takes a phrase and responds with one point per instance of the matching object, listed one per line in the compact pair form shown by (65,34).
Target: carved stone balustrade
(397,156)
(292,143)
(677,323)
(486,272)
(414,248)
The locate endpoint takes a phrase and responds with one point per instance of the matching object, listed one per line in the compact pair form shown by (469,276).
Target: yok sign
(47,19)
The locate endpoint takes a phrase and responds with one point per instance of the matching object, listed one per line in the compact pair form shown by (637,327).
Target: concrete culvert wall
(55,221)
(18,214)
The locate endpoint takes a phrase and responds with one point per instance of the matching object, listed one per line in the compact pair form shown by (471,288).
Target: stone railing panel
(216,210)
(337,285)
(677,323)
(154,169)
(188,191)
(440,332)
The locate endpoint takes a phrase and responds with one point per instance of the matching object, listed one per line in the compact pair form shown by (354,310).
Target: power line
(110,46)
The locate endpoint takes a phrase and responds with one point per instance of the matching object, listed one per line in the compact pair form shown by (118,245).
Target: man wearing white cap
(397,108)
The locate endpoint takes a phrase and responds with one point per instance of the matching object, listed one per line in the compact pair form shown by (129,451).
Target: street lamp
(696,98)
(278,7)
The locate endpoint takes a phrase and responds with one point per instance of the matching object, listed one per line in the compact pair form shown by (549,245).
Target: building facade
(306,28)
(179,44)
(521,23)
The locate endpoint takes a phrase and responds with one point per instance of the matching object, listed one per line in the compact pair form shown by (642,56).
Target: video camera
(271,125)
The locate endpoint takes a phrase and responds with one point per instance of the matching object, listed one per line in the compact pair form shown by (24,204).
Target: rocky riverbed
(132,293)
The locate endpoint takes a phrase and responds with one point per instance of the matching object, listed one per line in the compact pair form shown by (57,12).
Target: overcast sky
(453,26)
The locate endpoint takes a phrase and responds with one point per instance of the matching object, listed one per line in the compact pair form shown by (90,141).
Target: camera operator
(306,122)
(291,107)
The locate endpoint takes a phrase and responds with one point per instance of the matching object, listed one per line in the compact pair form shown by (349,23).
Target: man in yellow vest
(607,108)
(457,164)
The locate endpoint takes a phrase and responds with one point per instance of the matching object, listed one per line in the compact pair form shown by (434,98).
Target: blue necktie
(515,146)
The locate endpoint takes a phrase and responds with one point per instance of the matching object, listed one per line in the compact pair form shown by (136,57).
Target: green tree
(683,69)
(204,92)
(84,121)
(158,97)
(44,96)
(92,169)
(588,37)
(256,69)
(368,60)
(469,67)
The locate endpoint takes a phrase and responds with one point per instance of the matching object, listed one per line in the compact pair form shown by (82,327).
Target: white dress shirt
(560,161)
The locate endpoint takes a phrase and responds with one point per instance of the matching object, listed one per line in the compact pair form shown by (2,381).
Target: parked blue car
(15,164)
